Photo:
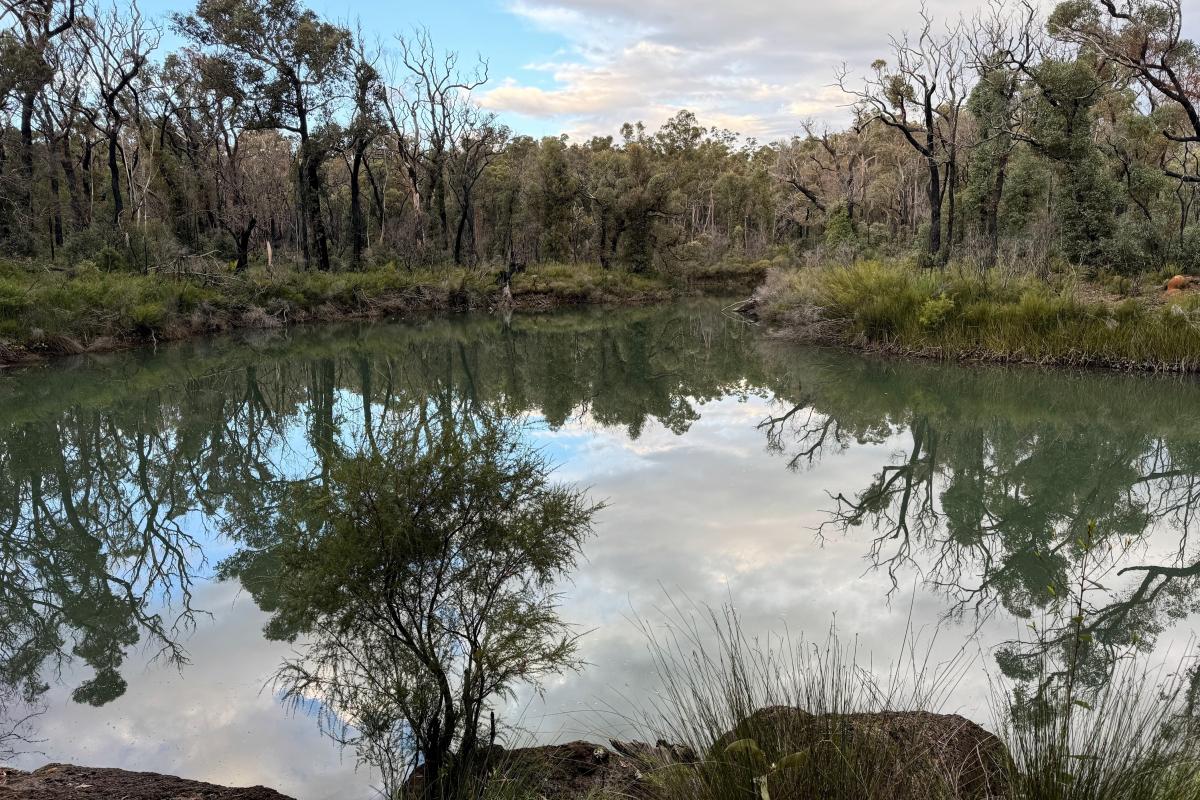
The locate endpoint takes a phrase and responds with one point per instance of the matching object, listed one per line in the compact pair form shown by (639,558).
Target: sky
(583,67)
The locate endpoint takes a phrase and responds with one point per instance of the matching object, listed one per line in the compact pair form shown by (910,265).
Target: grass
(47,311)
(957,314)
(1134,740)
(784,718)
(839,736)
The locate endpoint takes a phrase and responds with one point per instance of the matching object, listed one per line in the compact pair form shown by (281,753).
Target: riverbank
(1063,320)
(48,312)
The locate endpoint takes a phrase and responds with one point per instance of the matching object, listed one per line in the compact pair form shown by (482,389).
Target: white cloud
(758,67)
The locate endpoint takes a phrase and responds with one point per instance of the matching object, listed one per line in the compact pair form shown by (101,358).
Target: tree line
(273,134)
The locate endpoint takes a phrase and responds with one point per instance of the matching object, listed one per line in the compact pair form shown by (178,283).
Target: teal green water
(802,485)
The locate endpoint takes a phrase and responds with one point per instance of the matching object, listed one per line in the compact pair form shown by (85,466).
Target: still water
(806,487)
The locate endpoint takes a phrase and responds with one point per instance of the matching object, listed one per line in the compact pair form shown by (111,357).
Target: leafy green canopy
(420,574)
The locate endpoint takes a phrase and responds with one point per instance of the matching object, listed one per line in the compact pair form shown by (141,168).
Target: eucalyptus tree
(426,90)
(366,125)
(292,67)
(831,171)
(555,190)
(119,42)
(1063,91)
(227,144)
(31,59)
(478,141)
(599,183)
(921,95)
(1146,38)
(64,125)
(998,41)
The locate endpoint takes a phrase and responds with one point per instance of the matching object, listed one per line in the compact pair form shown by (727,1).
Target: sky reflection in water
(966,487)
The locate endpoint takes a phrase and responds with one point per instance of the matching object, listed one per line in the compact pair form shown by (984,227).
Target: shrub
(110,259)
(961,314)
(935,311)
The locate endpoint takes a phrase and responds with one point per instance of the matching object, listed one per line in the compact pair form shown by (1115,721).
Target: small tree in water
(420,579)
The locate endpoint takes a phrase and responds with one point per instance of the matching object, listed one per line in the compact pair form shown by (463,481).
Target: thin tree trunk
(114,176)
(357,228)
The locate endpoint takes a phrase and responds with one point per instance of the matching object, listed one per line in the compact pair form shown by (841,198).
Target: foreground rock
(788,752)
(575,770)
(67,782)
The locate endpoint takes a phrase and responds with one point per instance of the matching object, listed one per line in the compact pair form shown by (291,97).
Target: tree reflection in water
(116,476)
(995,478)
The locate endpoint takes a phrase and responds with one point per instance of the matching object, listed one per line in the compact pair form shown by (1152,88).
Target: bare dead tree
(921,95)
(425,89)
(119,44)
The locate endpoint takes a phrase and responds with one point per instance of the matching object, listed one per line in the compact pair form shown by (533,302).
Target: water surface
(808,487)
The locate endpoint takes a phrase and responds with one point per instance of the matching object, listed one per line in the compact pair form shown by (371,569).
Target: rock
(905,750)
(67,782)
(571,770)
(660,752)
(1179,282)
(900,754)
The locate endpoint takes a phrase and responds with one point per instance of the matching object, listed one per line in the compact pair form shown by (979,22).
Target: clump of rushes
(1132,734)
(785,718)
(961,314)
(1134,739)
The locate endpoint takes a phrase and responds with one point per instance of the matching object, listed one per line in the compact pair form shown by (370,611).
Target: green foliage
(430,555)
(839,228)
(557,193)
(89,302)
(965,315)
(935,311)
(110,259)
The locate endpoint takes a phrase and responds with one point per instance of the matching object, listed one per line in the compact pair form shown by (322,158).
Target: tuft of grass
(968,315)
(1136,739)
(805,720)
(785,718)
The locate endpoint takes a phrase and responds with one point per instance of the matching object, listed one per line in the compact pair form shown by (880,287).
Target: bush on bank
(969,315)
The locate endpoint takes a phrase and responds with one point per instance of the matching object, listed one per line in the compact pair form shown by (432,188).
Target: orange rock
(1179,282)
